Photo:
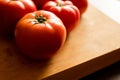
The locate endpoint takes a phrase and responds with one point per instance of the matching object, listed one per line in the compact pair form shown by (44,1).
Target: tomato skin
(66,11)
(82,5)
(40,40)
(11,12)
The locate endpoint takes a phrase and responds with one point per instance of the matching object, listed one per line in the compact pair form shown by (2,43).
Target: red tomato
(40,34)
(11,11)
(81,4)
(39,3)
(66,11)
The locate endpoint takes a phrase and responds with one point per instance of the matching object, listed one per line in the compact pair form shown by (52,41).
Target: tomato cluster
(40,27)
(80,4)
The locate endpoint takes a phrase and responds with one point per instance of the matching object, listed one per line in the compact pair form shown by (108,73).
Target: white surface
(109,7)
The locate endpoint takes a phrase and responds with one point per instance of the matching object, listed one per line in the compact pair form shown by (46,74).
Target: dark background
(111,72)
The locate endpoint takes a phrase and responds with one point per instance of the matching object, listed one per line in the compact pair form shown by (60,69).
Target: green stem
(59,4)
(40,19)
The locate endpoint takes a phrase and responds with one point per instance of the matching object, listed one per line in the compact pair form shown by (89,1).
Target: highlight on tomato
(66,11)
(40,34)
(10,13)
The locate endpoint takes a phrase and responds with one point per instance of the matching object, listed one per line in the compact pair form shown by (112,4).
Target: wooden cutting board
(91,46)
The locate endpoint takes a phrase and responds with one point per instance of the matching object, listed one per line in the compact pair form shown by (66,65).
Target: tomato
(10,13)
(81,4)
(66,11)
(39,3)
(40,34)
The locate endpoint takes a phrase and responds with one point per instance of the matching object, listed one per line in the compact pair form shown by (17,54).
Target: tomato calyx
(40,19)
(59,5)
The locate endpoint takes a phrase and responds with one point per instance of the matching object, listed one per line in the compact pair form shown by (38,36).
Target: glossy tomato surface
(66,11)
(81,4)
(40,34)
(10,13)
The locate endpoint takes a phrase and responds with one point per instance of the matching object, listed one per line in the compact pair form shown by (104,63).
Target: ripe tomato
(81,4)
(39,3)
(66,11)
(11,11)
(40,34)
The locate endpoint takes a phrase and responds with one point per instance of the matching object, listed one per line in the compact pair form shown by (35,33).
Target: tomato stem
(60,5)
(40,19)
